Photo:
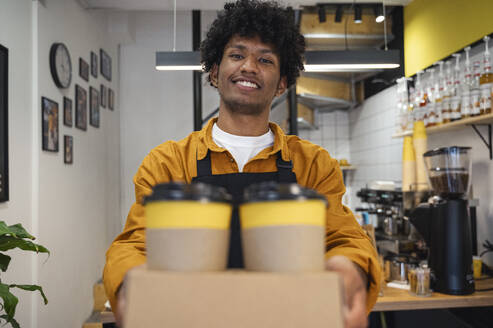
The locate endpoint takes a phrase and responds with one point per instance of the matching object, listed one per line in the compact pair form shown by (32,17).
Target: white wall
(77,201)
(333,134)
(15,15)
(156,105)
(373,151)
(74,210)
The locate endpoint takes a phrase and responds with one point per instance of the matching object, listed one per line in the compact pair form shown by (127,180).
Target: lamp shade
(178,61)
(351,60)
(316,61)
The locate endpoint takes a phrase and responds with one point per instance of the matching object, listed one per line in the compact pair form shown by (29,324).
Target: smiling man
(252,53)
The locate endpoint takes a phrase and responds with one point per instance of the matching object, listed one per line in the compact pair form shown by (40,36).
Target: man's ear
(213,75)
(281,87)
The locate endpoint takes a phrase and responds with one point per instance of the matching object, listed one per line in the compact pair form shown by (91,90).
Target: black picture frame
(67,112)
(105,64)
(80,108)
(49,125)
(111,99)
(94,65)
(83,69)
(4,133)
(103,95)
(94,116)
(68,149)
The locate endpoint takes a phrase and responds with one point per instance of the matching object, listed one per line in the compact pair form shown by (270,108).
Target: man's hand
(355,282)
(120,310)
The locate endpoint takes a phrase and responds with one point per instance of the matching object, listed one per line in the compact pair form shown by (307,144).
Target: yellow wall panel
(434,29)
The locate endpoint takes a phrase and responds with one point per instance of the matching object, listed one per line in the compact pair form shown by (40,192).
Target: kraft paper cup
(283,228)
(187,227)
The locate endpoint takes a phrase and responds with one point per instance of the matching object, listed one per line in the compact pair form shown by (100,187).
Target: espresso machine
(444,221)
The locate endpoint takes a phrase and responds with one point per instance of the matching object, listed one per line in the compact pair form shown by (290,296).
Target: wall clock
(60,65)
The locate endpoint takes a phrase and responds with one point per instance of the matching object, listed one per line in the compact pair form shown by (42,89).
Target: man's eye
(266,61)
(236,56)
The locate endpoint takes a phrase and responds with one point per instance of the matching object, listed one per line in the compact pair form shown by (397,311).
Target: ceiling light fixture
(357,14)
(351,60)
(315,61)
(379,17)
(177,60)
(338,16)
(321,14)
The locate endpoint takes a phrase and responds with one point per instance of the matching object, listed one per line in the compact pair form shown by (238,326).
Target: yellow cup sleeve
(288,212)
(188,214)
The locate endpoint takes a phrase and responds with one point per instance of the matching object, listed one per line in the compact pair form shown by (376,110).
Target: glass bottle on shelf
(455,99)
(421,98)
(466,103)
(447,93)
(475,92)
(430,114)
(486,80)
(439,91)
(412,104)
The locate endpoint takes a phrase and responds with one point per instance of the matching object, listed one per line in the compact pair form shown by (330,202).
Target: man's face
(248,77)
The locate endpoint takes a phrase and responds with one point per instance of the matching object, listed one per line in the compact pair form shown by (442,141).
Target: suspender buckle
(284,164)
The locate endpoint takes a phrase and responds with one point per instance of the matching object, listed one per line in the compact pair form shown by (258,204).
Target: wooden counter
(395,299)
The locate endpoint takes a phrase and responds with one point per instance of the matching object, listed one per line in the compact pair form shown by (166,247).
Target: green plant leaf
(16,230)
(4,262)
(32,288)
(9,242)
(4,230)
(9,301)
(20,232)
(12,321)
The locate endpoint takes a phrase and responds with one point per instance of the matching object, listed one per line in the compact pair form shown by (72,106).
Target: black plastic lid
(446,150)
(175,191)
(273,191)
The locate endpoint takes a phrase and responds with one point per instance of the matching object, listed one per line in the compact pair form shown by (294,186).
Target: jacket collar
(206,143)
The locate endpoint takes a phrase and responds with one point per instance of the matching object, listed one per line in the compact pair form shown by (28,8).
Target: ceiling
(203,4)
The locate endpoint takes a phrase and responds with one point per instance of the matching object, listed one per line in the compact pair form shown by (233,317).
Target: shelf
(305,125)
(323,104)
(483,119)
(348,168)
(451,126)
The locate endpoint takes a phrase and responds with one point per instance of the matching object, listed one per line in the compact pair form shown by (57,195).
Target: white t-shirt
(242,148)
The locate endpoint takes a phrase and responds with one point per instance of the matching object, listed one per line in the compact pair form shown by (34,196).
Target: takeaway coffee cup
(283,228)
(187,227)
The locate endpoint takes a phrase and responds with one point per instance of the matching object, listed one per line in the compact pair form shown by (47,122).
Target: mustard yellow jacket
(177,161)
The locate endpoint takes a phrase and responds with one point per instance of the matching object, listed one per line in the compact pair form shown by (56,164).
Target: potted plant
(15,236)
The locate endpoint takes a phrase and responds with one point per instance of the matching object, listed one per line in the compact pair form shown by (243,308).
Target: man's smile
(246,83)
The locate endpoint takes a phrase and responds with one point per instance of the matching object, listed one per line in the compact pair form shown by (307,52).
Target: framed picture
(83,69)
(4,124)
(67,112)
(94,107)
(49,119)
(68,149)
(105,64)
(80,108)
(103,95)
(111,99)
(94,64)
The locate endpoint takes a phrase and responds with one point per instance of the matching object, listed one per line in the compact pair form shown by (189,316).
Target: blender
(444,221)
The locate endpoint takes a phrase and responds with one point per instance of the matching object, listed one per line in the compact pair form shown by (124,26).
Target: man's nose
(250,65)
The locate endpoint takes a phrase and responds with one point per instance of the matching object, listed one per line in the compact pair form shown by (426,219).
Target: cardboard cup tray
(233,298)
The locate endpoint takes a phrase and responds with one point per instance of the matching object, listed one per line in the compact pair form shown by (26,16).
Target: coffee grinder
(444,221)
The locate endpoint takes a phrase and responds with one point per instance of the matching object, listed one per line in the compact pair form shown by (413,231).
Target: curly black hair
(274,25)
